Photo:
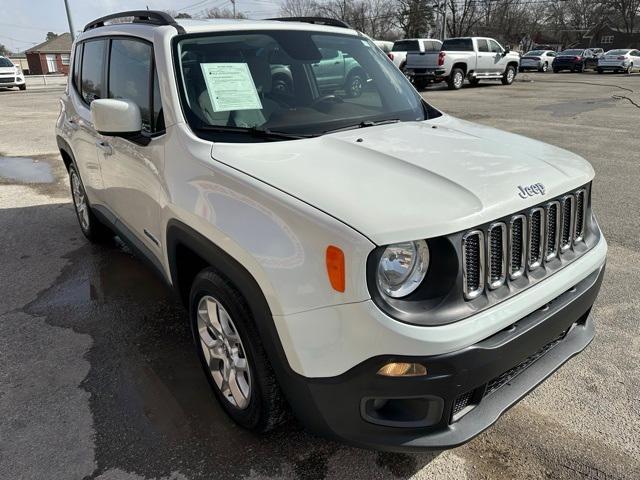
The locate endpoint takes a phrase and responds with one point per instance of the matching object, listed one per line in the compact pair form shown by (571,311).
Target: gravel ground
(98,378)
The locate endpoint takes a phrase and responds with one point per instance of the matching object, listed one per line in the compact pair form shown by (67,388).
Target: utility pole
(71,31)
(444,20)
(233,2)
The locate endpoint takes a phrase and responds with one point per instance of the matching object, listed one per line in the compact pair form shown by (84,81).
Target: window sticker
(230,87)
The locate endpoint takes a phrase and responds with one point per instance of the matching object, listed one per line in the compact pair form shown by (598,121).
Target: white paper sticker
(230,87)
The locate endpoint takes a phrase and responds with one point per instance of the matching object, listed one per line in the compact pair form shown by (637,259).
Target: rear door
(133,171)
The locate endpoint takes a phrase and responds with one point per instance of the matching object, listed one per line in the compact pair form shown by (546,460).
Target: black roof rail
(153,17)
(330,22)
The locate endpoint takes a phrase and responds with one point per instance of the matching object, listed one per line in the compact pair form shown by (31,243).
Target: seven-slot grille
(525,242)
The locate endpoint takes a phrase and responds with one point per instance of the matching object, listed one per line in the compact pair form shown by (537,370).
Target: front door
(132,171)
(499,58)
(486,59)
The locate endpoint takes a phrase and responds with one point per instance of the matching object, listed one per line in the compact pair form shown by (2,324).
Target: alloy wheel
(223,352)
(355,88)
(458,79)
(80,200)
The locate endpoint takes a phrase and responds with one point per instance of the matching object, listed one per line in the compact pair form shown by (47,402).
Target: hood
(5,70)
(412,180)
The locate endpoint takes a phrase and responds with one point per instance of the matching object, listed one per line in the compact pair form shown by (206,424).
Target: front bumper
(464,392)
(12,81)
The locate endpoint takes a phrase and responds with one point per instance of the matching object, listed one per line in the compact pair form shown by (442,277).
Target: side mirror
(116,118)
(507,49)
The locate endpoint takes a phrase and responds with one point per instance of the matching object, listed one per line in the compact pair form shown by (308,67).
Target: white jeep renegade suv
(395,276)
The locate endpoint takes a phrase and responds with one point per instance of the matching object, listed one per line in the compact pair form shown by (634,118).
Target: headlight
(402,268)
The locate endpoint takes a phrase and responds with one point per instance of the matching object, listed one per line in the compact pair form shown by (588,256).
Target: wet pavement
(99,379)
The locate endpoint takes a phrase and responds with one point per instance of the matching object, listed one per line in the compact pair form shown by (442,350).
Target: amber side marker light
(401,369)
(335,267)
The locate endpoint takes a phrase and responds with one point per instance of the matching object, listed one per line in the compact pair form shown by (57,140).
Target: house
(608,37)
(51,56)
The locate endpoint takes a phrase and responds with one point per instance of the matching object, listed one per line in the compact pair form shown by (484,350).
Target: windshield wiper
(365,124)
(253,131)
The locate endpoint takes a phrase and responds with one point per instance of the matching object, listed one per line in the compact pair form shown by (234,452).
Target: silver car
(620,60)
(539,60)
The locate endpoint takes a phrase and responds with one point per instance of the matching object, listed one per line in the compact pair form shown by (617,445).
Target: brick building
(51,56)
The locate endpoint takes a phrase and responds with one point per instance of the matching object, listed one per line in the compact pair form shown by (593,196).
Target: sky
(25,23)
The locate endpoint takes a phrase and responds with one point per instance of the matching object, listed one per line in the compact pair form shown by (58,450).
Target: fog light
(401,369)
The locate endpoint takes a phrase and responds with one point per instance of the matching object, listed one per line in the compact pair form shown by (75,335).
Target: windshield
(534,53)
(290,82)
(5,62)
(574,51)
(617,52)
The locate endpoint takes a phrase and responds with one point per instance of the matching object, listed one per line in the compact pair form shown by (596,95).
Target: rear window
(458,45)
(534,53)
(406,46)
(574,51)
(5,62)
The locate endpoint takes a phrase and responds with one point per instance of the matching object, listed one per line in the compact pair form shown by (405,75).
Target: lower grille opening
(513,372)
(403,412)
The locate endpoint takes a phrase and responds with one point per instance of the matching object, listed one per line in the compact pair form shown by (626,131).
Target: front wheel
(91,226)
(509,76)
(456,79)
(354,85)
(232,354)
(629,69)
(545,67)
(23,86)
(599,70)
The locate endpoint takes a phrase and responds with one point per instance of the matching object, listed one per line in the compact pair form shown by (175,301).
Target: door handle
(105,147)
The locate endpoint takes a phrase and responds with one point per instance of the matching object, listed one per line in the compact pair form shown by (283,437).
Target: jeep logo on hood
(530,190)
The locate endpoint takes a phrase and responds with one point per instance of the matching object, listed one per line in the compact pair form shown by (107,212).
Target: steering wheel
(325,99)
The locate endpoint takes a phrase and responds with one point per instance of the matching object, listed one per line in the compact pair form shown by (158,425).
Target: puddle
(25,170)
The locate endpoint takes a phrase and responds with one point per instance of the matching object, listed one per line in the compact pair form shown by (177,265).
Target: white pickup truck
(401,48)
(474,58)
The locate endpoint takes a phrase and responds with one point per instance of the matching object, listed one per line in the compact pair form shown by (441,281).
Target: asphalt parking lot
(98,378)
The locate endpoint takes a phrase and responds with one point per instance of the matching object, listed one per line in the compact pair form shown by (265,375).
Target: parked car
(11,75)
(620,60)
(334,70)
(539,60)
(397,277)
(474,58)
(575,60)
(400,49)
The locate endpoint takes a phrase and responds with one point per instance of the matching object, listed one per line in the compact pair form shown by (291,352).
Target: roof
(227,25)
(60,44)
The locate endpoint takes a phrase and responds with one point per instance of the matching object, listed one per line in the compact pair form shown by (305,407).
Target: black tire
(91,226)
(23,86)
(629,69)
(599,70)
(456,79)
(420,83)
(509,75)
(354,85)
(520,69)
(544,68)
(556,70)
(266,407)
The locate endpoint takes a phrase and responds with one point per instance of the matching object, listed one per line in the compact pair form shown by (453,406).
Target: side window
(430,46)
(495,46)
(483,45)
(77,61)
(130,75)
(329,53)
(92,74)
(552,54)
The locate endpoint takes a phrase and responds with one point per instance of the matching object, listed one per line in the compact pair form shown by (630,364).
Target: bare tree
(298,8)
(4,51)
(221,13)
(628,11)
